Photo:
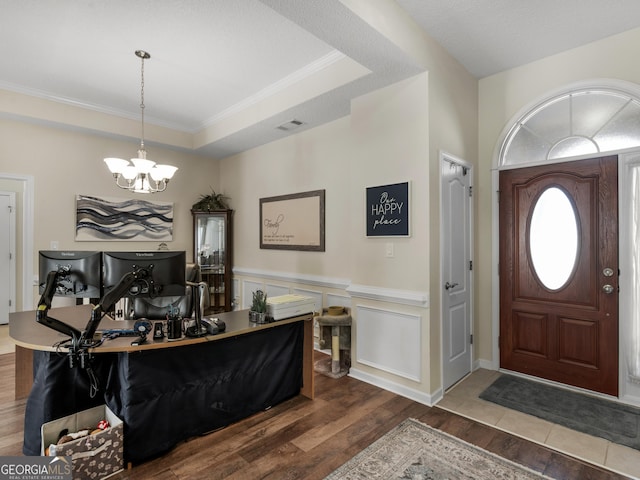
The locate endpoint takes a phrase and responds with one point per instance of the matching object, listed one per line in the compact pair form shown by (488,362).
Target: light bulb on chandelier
(140,175)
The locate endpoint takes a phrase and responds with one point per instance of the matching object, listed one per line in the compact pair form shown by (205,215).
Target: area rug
(595,416)
(415,451)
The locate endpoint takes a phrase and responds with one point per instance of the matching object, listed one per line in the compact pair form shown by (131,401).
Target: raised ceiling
(219,68)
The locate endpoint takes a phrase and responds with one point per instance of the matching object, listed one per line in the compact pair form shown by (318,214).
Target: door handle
(608,289)
(448,285)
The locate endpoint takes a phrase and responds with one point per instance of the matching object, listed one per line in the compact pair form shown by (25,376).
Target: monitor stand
(197,329)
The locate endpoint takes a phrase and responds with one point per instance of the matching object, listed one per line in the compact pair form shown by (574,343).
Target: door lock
(608,289)
(448,285)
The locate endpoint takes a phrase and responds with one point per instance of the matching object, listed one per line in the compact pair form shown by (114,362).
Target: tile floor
(463,400)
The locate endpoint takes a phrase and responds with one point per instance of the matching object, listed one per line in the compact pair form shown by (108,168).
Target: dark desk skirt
(165,396)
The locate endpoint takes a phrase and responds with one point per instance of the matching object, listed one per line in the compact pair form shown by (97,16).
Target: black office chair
(158,307)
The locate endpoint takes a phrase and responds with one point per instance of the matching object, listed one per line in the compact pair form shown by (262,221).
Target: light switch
(54,244)
(389,250)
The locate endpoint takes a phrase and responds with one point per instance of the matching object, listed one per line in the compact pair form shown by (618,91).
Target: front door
(559,272)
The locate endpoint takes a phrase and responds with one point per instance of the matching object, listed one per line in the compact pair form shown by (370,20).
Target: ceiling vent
(291,125)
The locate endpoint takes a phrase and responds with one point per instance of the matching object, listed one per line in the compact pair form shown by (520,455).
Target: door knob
(608,289)
(448,285)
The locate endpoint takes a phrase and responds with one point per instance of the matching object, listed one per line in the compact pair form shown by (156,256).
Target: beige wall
(391,135)
(384,140)
(507,94)
(65,163)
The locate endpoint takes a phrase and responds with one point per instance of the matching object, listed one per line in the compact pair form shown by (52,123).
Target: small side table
(335,331)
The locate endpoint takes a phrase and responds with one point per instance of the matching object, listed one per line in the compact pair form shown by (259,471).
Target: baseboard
(485,364)
(396,388)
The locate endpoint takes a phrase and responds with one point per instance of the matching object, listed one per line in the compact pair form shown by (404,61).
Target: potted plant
(212,201)
(258,310)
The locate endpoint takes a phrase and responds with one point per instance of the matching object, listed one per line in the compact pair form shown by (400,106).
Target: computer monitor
(79,272)
(165,272)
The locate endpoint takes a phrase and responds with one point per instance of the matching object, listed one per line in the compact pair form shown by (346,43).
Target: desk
(166,392)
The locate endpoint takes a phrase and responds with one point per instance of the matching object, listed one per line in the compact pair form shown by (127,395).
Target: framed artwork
(293,222)
(99,219)
(387,210)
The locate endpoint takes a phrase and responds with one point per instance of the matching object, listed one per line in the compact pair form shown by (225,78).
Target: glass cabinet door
(212,243)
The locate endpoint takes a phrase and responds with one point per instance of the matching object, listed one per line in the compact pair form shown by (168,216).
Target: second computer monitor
(165,269)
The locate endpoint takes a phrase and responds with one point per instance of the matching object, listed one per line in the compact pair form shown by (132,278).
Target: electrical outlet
(389,250)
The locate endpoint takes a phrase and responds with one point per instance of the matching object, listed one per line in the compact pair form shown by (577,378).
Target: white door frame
(445,157)
(26,214)
(10,198)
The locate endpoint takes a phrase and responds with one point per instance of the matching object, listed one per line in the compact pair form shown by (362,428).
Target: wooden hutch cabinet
(212,250)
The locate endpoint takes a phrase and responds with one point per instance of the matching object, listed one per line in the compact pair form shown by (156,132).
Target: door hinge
(10,208)
(9,303)
(471,191)
(498,196)
(471,339)
(470,264)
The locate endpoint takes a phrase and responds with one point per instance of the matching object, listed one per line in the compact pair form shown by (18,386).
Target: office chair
(157,308)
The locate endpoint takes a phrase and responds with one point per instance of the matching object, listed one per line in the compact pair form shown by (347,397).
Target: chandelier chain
(142,100)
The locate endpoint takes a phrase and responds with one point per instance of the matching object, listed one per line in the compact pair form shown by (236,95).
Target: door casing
(456,302)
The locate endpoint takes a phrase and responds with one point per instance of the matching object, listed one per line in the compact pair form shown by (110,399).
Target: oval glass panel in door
(553,238)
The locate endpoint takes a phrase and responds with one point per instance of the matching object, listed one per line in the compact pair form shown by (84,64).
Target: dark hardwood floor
(304,439)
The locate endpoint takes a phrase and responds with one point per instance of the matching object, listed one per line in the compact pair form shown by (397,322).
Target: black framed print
(387,210)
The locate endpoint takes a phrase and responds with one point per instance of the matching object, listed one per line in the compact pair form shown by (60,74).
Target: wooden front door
(564,329)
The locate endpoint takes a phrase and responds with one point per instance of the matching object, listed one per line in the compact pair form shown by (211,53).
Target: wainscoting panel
(334,300)
(315,294)
(248,287)
(276,290)
(235,293)
(389,341)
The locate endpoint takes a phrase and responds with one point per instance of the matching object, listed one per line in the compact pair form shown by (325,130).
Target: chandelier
(140,175)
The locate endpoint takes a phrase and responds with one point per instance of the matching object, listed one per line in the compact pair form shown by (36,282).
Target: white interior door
(456,247)
(7,255)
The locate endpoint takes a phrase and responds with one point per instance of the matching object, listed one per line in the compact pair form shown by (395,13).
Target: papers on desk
(287,306)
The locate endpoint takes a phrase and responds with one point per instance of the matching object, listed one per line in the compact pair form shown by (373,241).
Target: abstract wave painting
(123,219)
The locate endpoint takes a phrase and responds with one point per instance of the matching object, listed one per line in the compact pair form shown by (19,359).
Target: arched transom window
(582,122)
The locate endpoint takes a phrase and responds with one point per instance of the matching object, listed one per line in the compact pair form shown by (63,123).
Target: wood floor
(304,439)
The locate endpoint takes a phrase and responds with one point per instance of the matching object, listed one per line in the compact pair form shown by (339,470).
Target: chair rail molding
(327,282)
(404,297)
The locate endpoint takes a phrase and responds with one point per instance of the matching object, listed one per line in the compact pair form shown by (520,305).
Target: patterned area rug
(415,451)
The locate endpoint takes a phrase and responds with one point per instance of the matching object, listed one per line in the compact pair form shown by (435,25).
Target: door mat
(413,450)
(595,416)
